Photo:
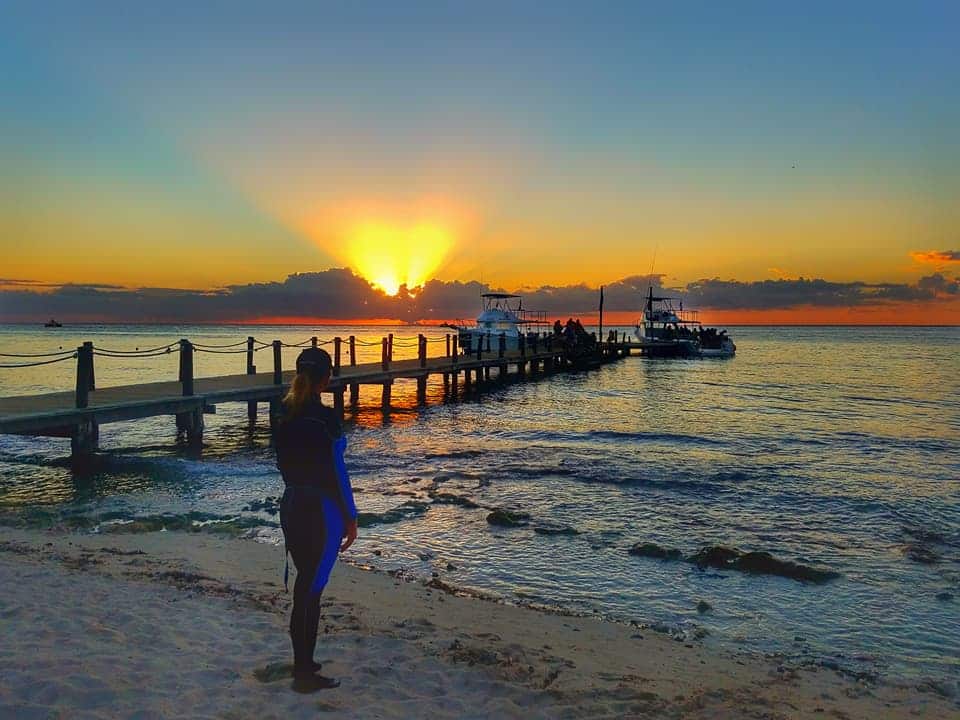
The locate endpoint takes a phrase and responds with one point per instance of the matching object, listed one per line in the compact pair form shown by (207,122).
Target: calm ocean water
(833,447)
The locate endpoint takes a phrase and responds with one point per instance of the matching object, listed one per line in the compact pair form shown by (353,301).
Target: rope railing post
(186,366)
(84,367)
(422,349)
(448,345)
(251,368)
(336,355)
(313,342)
(456,339)
(277,362)
(390,347)
(353,351)
(384,356)
(89,346)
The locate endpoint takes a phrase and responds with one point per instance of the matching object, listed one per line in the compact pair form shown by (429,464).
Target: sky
(739,152)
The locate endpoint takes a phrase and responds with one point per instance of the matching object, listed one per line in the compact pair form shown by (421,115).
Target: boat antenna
(653,262)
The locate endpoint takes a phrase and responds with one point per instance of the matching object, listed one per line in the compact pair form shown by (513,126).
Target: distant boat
(52,323)
(669,332)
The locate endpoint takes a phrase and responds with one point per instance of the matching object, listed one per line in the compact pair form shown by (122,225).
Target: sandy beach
(169,624)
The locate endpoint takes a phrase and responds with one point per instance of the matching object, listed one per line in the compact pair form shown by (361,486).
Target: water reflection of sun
(390,256)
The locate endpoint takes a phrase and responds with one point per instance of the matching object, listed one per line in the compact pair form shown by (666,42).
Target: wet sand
(171,624)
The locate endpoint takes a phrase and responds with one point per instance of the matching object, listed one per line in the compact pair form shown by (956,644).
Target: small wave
(653,437)
(454,454)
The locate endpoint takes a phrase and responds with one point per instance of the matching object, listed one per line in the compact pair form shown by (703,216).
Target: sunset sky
(205,145)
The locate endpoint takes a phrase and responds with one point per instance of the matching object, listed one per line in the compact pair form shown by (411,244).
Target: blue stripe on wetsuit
(333,518)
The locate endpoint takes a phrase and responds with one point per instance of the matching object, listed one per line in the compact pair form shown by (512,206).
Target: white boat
(669,332)
(716,344)
(502,315)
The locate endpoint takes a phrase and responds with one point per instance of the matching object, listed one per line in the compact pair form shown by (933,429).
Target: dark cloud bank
(339,294)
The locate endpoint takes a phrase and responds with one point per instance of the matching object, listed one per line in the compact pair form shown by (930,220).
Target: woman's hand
(350,536)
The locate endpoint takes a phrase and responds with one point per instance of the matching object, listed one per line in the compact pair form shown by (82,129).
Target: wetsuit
(316,507)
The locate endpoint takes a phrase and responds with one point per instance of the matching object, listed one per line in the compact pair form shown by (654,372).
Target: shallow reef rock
(724,558)
(653,550)
(762,563)
(921,553)
(508,518)
(447,498)
(715,556)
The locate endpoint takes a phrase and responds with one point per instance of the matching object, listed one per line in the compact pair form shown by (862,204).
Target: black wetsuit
(316,507)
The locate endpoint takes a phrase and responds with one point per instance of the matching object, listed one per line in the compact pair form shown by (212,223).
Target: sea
(836,448)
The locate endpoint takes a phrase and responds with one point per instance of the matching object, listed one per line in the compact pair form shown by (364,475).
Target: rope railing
(229,352)
(137,351)
(249,346)
(221,347)
(71,356)
(135,356)
(35,355)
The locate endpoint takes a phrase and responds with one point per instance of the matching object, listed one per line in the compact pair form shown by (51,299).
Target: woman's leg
(305,615)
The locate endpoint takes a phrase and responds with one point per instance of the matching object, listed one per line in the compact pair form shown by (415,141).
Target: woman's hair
(313,371)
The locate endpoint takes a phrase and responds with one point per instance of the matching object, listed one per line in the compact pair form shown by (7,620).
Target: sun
(390,255)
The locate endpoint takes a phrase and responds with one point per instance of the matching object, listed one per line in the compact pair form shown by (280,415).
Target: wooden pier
(78,414)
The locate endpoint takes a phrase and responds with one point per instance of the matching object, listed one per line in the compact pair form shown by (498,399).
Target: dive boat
(666,331)
(502,314)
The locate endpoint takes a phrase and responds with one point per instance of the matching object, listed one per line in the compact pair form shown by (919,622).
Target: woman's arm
(348,506)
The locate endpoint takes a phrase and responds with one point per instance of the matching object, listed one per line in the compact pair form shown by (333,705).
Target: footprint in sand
(272,672)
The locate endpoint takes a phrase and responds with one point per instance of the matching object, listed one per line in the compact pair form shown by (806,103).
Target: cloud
(936,256)
(338,293)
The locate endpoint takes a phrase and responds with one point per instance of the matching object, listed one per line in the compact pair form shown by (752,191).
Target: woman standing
(317,512)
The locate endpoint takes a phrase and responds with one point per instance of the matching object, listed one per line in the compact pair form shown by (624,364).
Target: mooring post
(455,349)
(390,347)
(354,387)
(448,345)
(384,361)
(84,368)
(422,349)
(251,370)
(85,436)
(277,362)
(313,342)
(89,346)
(336,358)
(186,366)
(189,424)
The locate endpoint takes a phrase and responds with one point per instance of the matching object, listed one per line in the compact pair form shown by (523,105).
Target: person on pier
(317,512)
